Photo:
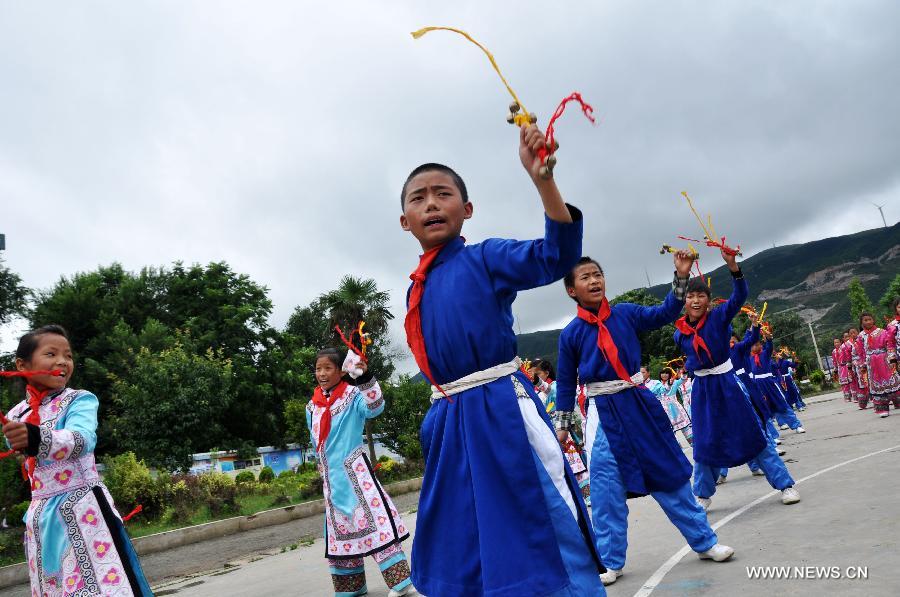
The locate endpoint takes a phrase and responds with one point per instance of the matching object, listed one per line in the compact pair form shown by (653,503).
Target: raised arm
(370,403)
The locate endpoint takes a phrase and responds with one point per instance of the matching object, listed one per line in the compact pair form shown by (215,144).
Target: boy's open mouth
(434,221)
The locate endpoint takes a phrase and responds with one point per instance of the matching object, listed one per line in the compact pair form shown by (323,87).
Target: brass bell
(551,161)
(545,173)
(511,118)
(532,118)
(514,107)
(555,144)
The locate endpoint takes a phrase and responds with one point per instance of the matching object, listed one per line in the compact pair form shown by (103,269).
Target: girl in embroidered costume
(893,338)
(840,364)
(859,384)
(727,431)
(666,392)
(75,541)
(500,512)
(884,382)
(360,519)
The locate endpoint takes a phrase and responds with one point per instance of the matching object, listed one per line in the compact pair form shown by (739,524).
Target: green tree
(295,421)
(890,295)
(172,404)
(656,345)
(859,300)
(13,295)
(112,314)
(406,403)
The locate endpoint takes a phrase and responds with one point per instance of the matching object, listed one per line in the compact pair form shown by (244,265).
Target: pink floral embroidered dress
(75,541)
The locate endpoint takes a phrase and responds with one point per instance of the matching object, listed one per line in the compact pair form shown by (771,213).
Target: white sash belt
(740,371)
(761,375)
(599,388)
(717,370)
(473,380)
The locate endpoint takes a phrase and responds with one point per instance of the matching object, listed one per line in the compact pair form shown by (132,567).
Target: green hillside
(809,280)
(812,278)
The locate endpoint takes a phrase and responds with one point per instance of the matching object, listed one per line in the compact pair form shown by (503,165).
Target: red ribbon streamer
(586,109)
(133,513)
(717,244)
(349,343)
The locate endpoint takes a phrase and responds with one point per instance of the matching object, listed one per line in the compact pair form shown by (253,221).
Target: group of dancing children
(501,510)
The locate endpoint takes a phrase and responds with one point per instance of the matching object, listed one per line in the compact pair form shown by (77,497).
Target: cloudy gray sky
(275,134)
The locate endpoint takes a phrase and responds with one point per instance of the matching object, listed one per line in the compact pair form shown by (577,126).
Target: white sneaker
(780,451)
(716,553)
(777,441)
(758,473)
(882,415)
(790,496)
(704,503)
(610,576)
(721,479)
(802,408)
(783,427)
(409,591)
(800,430)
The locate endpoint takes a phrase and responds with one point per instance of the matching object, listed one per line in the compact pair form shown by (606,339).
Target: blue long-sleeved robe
(635,423)
(770,385)
(482,528)
(740,355)
(727,431)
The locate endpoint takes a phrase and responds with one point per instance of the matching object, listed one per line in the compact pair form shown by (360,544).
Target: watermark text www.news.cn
(808,572)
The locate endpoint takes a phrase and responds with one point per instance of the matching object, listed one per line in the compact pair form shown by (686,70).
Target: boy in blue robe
(785,368)
(633,449)
(727,431)
(500,512)
(761,367)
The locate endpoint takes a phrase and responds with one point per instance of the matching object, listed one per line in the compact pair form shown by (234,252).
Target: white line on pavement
(657,576)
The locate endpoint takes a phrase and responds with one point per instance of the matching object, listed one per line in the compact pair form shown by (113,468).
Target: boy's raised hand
(684,260)
(730,260)
(531,140)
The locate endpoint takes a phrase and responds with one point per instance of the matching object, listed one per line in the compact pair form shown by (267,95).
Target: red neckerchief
(896,317)
(413,323)
(35,397)
(685,328)
(319,399)
(756,359)
(604,338)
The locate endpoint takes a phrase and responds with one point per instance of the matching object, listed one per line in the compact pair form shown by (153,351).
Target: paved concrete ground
(848,517)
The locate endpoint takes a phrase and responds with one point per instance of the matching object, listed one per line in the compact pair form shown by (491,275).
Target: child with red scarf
(75,541)
(859,383)
(360,519)
(500,512)
(727,431)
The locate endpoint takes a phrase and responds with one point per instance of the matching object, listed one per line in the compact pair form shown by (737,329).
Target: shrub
(817,377)
(307,467)
(15,514)
(219,492)
(245,477)
(313,488)
(266,475)
(130,483)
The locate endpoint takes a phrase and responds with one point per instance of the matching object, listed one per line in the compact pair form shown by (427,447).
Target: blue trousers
(773,431)
(788,418)
(609,508)
(768,460)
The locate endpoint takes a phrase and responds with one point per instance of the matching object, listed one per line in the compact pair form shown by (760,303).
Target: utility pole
(815,345)
(2,242)
(881,211)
